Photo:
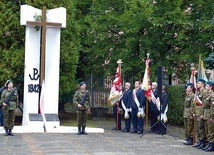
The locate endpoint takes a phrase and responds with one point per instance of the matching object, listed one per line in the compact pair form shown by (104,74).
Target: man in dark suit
(164,109)
(125,103)
(138,104)
(154,112)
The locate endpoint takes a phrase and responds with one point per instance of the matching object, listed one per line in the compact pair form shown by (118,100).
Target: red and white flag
(193,78)
(116,89)
(41,103)
(146,86)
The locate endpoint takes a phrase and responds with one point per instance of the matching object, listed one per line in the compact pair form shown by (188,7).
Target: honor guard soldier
(138,104)
(126,105)
(188,113)
(208,111)
(200,93)
(82,101)
(9,101)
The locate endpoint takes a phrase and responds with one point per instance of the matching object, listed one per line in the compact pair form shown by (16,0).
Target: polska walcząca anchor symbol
(35,73)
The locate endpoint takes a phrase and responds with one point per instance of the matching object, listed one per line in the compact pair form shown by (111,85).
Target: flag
(192,77)
(146,86)
(116,89)
(41,103)
(201,70)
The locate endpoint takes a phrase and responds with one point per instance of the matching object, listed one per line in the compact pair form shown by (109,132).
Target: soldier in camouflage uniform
(9,107)
(82,101)
(207,112)
(188,113)
(201,92)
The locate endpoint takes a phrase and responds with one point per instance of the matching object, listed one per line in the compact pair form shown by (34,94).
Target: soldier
(188,113)
(82,101)
(153,109)
(9,101)
(207,112)
(199,111)
(138,104)
(211,123)
(126,105)
(1,109)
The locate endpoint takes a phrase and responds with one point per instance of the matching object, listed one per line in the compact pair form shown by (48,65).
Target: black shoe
(125,130)
(134,131)
(210,148)
(197,144)
(189,141)
(206,147)
(202,145)
(10,132)
(79,131)
(6,132)
(140,132)
(83,131)
(157,132)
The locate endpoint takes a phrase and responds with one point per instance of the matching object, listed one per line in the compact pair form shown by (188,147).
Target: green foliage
(210,61)
(176,104)
(127,30)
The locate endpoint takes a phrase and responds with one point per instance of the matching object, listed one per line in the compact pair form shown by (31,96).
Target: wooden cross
(43,24)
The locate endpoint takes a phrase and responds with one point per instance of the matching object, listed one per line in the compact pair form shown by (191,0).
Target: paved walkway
(109,143)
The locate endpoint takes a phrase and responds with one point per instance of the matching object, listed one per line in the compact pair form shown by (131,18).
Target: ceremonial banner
(116,88)
(201,70)
(146,85)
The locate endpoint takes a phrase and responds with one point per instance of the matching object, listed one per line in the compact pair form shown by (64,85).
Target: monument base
(36,120)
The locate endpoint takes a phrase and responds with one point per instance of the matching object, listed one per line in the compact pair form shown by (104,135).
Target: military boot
(210,148)
(10,132)
(197,144)
(203,144)
(6,132)
(189,141)
(83,131)
(79,131)
(206,147)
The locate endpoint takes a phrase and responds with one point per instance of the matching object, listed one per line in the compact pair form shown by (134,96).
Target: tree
(12,44)
(174,32)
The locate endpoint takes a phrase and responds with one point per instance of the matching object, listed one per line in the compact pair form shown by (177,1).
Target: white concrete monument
(50,23)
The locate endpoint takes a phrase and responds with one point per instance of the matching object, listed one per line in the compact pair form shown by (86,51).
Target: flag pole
(147,103)
(119,62)
(194,103)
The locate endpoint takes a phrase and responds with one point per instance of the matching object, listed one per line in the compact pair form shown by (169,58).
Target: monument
(46,25)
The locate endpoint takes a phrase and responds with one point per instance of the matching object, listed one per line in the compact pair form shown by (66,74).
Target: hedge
(176,104)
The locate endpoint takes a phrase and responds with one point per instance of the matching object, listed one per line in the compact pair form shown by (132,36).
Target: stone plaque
(51,117)
(35,117)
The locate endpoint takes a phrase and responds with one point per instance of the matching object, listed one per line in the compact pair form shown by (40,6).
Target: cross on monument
(43,24)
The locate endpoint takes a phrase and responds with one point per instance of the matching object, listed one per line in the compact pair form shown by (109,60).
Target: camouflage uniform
(82,113)
(9,110)
(208,113)
(188,112)
(200,123)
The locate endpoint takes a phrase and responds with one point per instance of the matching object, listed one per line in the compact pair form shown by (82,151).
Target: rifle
(84,98)
(7,101)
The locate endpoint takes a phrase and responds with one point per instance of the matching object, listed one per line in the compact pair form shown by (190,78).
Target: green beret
(201,80)
(82,83)
(189,84)
(7,82)
(210,83)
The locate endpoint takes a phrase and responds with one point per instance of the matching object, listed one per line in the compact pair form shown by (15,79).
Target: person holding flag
(200,93)
(115,95)
(138,104)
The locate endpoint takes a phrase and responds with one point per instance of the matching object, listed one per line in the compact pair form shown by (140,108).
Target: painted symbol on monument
(34,87)
(35,73)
